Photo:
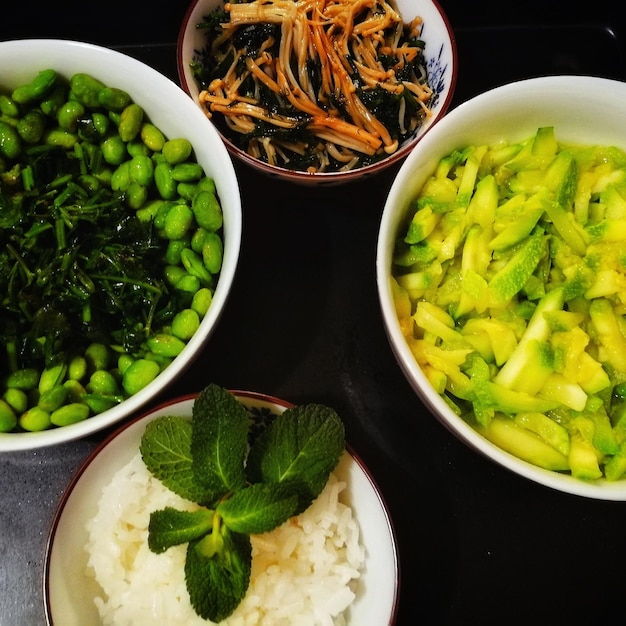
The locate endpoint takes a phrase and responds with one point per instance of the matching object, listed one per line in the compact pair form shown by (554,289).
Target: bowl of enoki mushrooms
(319,91)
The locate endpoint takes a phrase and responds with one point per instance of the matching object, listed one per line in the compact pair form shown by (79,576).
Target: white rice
(303,573)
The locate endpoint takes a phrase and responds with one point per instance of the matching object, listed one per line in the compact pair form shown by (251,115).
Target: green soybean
(187,172)
(162,344)
(207,211)
(35,419)
(75,390)
(113,98)
(174,248)
(10,141)
(188,283)
(69,414)
(201,301)
(103,382)
(131,119)
(85,88)
(195,266)
(36,89)
(25,379)
(16,399)
(185,324)
(51,376)
(164,181)
(177,150)
(8,419)
(60,137)
(52,398)
(141,169)
(113,150)
(31,126)
(8,106)
(212,252)
(152,137)
(136,195)
(178,221)
(98,356)
(139,374)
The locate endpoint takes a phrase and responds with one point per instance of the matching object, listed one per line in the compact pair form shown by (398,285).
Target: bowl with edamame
(502,279)
(121,231)
(319,97)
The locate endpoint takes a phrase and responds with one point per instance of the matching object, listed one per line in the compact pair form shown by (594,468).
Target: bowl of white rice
(334,564)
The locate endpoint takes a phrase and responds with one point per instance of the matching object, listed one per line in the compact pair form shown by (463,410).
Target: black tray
(477,543)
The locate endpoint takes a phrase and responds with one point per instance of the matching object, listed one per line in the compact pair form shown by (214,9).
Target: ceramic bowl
(511,113)
(171,110)
(441,57)
(69,593)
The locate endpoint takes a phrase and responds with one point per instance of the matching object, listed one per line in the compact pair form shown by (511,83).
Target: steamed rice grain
(304,573)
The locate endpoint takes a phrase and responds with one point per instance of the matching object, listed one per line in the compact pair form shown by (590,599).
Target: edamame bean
(187,172)
(69,113)
(195,266)
(8,419)
(69,414)
(8,106)
(113,98)
(174,274)
(102,382)
(162,344)
(139,374)
(152,137)
(188,283)
(10,142)
(16,399)
(212,252)
(35,419)
(36,89)
(31,126)
(120,179)
(207,211)
(141,169)
(98,403)
(60,138)
(114,150)
(25,379)
(136,195)
(201,301)
(174,248)
(52,398)
(131,119)
(85,88)
(98,356)
(51,376)
(178,221)
(52,101)
(177,150)
(75,391)
(164,181)
(185,324)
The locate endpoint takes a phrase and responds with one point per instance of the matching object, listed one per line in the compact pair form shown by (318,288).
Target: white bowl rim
(599,489)
(299,177)
(393,586)
(11,442)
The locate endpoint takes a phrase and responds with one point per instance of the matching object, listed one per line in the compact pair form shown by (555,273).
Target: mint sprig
(242,489)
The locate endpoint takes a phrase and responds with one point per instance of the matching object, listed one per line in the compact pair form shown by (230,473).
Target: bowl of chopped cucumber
(319,95)
(120,228)
(501,269)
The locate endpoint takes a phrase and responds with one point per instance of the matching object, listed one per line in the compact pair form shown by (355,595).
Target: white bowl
(583,110)
(440,52)
(171,110)
(69,594)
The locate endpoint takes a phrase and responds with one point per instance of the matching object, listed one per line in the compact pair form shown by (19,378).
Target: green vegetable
(510,286)
(246,483)
(93,267)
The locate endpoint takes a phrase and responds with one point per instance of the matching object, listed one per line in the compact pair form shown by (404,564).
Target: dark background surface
(477,544)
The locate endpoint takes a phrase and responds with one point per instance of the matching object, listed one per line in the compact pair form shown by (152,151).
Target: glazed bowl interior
(440,52)
(511,113)
(170,109)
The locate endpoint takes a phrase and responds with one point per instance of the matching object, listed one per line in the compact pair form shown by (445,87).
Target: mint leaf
(217,583)
(219,441)
(170,527)
(258,508)
(166,451)
(300,448)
